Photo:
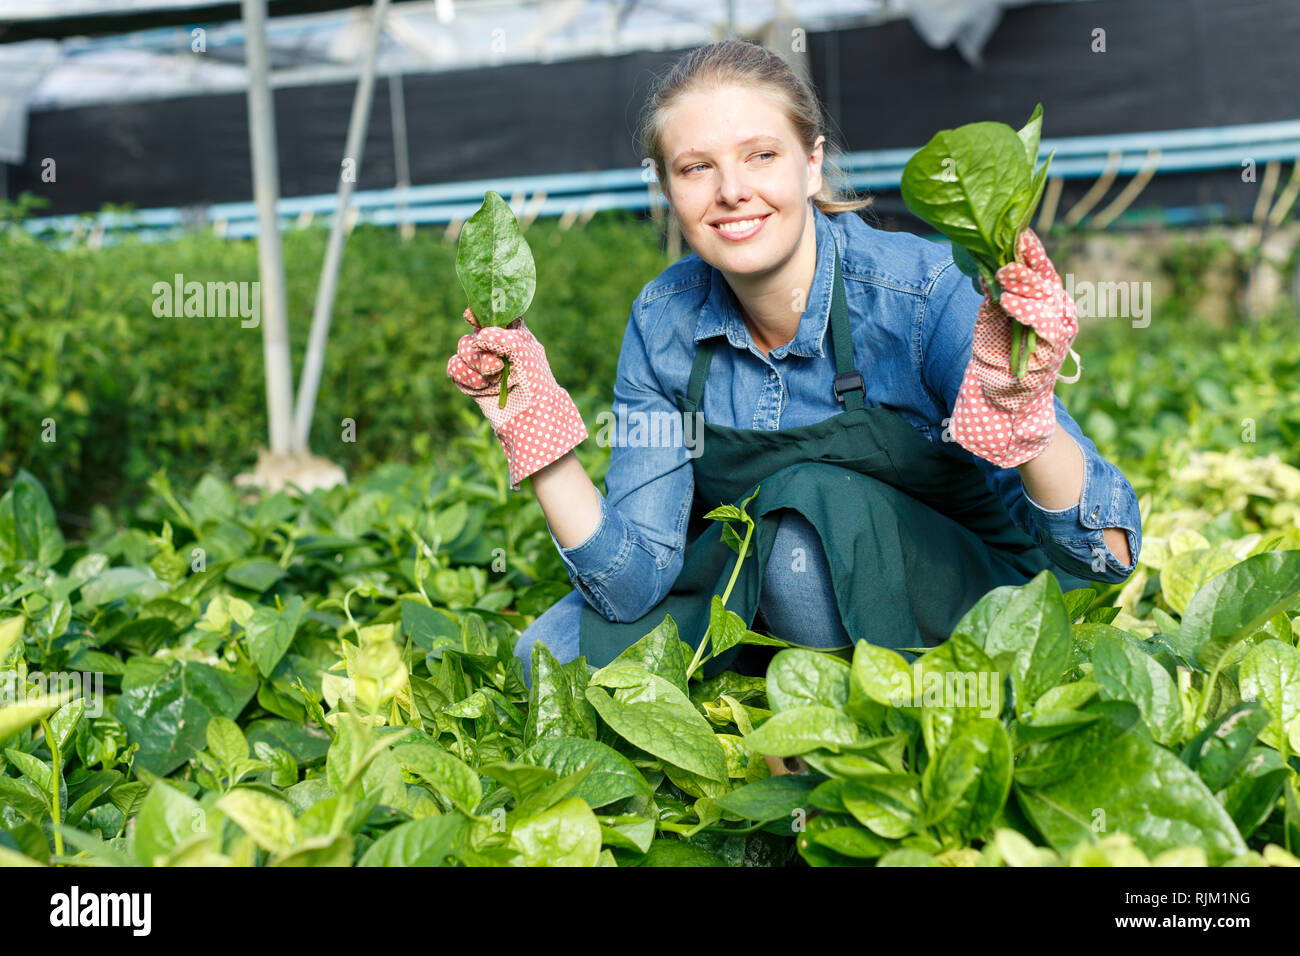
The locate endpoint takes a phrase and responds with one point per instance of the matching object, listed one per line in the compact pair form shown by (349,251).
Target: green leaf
(726,628)
(1029,134)
(117,584)
(557,702)
(28,528)
(226,741)
(428,626)
(613,776)
(663,652)
(1236,602)
(801,729)
(1026,204)
(1029,639)
(549,795)
(494,264)
(567,834)
(652,713)
(212,501)
(905,856)
(427,841)
(1270,673)
(772,798)
(35,770)
(672,852)
(165,707)
(256,574)
(968,783)
(167,818)
(268,820)
(798,677)
(963,181)
(1112,777)
(20,716)
(11,632)
(1251,795)
(881,674)
(521,779)
(1125,671)
(852,841)
(1219,751)
(324,850)
(25,797)
(1183,574)
(887,804)
(446,773)
(630,836)
(270,632)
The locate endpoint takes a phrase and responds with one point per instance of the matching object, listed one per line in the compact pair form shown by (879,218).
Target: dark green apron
(913,536)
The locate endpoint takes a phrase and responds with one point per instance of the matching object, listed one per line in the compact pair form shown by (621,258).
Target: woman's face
(731,156)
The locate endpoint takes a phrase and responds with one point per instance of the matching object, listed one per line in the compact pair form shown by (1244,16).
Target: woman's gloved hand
(1003,419)
(540,423)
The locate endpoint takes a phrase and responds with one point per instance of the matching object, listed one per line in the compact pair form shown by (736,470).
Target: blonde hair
(750,66)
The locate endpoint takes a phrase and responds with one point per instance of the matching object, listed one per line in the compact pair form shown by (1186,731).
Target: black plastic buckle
(847,382)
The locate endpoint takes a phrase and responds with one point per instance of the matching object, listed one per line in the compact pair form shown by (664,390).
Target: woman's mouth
(740,229)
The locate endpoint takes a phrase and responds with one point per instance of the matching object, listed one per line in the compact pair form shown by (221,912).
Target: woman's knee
(798,599)
(557,629)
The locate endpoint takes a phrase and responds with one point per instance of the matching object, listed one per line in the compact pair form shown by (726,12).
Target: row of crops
(329,679)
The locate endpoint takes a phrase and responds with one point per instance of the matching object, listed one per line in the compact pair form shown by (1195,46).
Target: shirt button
(1093,516)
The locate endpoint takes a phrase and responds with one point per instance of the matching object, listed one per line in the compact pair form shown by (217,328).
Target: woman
(852,374)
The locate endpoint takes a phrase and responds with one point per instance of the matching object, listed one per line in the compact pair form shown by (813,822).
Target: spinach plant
(976,184)
(495,268)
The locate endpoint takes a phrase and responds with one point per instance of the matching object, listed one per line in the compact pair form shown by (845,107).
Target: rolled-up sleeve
(634,555)
(1072,537)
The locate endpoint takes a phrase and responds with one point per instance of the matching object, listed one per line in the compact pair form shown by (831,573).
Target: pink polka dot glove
(540,423)
(997,416)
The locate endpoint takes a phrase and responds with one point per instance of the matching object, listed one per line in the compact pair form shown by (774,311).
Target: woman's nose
(732,187)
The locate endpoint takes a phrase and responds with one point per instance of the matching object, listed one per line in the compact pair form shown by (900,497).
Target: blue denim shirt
(913,317)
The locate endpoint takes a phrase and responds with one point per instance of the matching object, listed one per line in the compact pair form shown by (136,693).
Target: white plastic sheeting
(419,37)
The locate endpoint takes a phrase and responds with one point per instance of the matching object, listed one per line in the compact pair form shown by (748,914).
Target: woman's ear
(815,167)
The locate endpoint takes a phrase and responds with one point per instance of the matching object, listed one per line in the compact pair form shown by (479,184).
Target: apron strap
(690,402)
(849,386)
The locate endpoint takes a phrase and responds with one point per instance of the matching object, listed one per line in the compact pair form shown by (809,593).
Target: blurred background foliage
(130,393)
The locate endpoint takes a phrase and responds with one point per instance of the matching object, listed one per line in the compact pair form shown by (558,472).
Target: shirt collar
(720,314)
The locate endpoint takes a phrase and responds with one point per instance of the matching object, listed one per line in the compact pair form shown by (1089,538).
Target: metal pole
(401,154)
(309,385)
(266,191)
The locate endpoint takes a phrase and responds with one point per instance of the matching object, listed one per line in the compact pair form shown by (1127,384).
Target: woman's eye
(690,168)
(767,154)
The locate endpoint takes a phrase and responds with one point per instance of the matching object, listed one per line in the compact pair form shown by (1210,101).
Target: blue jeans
(797,600)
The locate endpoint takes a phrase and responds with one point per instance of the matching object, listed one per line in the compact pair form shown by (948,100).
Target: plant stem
(744,552)
(684,827)
(56,785)
(1206,689)
(697,660)
(505,374)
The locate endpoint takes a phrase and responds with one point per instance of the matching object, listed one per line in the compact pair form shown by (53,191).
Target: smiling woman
(833,354)
(736,140)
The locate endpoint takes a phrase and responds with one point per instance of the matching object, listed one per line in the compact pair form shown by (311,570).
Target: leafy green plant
(977,185)
(330,689)
(496,268)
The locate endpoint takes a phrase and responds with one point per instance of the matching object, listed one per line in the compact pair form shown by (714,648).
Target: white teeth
(743,225)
